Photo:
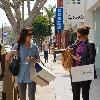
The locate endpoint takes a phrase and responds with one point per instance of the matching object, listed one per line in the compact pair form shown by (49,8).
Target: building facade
(58,35)
(91,13)
(93,19)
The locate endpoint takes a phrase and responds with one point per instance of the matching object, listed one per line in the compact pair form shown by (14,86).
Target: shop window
(78,2)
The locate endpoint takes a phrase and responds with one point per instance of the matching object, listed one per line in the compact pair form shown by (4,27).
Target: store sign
(59,20)
(73,11)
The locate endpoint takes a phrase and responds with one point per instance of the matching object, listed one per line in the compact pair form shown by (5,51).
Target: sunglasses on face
(29,34)
(79,37)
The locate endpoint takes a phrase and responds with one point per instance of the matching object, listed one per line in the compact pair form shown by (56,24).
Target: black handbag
(14,66)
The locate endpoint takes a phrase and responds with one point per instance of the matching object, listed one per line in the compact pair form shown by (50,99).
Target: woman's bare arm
(10,55)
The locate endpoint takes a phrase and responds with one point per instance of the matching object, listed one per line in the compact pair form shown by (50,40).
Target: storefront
(93,13)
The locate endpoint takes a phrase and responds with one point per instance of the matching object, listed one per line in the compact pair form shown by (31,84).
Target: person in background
(49,46)
(29,54)
(2,61)
(54,48)
(84,54)
(46,48)
(13,45)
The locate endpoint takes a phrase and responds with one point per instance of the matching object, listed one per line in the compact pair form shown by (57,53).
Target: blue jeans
(31,90)
(46,55)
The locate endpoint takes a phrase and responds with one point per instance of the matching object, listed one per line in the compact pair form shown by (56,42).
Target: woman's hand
(15,52)
(77,57)
(10,55)
(32,59)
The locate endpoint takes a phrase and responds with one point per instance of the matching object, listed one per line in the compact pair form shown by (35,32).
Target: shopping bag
(67,59)
(82,73)
(41,74)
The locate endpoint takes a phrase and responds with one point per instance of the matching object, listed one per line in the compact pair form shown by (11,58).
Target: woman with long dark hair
(84,54)
(28,53)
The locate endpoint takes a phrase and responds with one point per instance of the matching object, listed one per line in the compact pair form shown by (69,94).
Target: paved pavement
(60,88)
(95,89)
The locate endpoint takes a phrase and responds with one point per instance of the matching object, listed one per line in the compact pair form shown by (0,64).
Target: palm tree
(50,13)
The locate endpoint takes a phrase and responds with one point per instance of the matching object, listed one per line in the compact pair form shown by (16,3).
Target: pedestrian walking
(13,45)
(46,48)
(84,54)
(49,46)
(28,54)
(54,48)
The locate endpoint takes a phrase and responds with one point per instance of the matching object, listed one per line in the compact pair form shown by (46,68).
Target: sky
(4,20)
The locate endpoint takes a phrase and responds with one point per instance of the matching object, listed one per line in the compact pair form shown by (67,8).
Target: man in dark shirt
(2,61)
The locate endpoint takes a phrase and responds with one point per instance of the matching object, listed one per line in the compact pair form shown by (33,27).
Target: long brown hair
(22,35)
(83,30)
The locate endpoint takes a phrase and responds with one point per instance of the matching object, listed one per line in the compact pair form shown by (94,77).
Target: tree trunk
(16,20)
(12,20)
(35,11)
(28,5)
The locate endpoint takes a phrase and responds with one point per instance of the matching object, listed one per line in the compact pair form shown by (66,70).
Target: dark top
(0,52)
(80,49)
(86,50)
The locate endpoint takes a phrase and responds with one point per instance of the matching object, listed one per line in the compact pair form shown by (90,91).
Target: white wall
(89,19)
(72,12)
(91,3)
(97,39)
(89,15)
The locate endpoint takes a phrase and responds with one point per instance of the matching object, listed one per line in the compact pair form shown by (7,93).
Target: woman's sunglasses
(79,37)
(29,34)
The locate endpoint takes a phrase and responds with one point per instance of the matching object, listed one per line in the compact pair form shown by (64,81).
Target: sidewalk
(60,88)
(95,89)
